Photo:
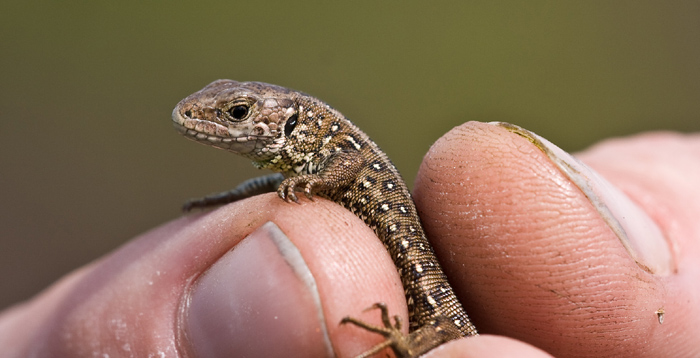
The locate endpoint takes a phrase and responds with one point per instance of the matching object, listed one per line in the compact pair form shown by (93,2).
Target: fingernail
(637,232)
(258,300)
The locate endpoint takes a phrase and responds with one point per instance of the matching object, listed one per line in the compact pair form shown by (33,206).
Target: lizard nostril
(258,131)
(188,113)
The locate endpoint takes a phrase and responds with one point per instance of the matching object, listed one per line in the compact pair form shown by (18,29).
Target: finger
(350,269)
(486,346)
(181,289)
(536,257)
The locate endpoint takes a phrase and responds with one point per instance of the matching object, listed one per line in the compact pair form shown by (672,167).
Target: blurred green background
(88,157)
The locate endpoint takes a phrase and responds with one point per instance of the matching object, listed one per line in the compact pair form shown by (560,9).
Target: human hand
(179,290)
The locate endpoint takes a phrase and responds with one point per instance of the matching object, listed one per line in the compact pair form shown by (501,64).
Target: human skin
(528,254)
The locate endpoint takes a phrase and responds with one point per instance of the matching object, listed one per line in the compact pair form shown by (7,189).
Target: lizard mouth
(215,134)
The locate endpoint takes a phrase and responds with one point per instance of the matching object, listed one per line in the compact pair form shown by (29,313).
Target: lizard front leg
(340,170)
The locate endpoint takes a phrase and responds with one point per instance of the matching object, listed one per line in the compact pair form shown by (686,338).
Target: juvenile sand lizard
(316,150)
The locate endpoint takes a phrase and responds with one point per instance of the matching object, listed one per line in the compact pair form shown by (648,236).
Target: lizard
(314,149)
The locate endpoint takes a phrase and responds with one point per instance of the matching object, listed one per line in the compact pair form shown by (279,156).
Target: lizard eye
(291,123)
(238,112)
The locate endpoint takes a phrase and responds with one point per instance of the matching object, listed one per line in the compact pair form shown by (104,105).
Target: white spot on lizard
(355,144)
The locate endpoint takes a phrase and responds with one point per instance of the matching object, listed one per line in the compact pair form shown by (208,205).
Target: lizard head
(252,119)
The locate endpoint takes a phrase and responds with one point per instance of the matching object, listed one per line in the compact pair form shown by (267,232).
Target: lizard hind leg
(418,342)
(394,337)
(251,187)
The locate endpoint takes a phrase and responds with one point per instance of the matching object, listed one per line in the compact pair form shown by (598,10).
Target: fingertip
(350,267)
(487,346)
(258,300)
(522,243)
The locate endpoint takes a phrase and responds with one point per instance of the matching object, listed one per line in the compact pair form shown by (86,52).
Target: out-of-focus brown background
(88,157)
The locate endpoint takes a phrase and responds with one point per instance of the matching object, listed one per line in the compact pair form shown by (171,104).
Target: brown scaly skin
(320,152)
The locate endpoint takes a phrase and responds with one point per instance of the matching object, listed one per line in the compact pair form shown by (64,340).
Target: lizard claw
(309,183)
(286,191)
(287,194)
(432,334)
(308,191)
(395,339)
(281,193)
